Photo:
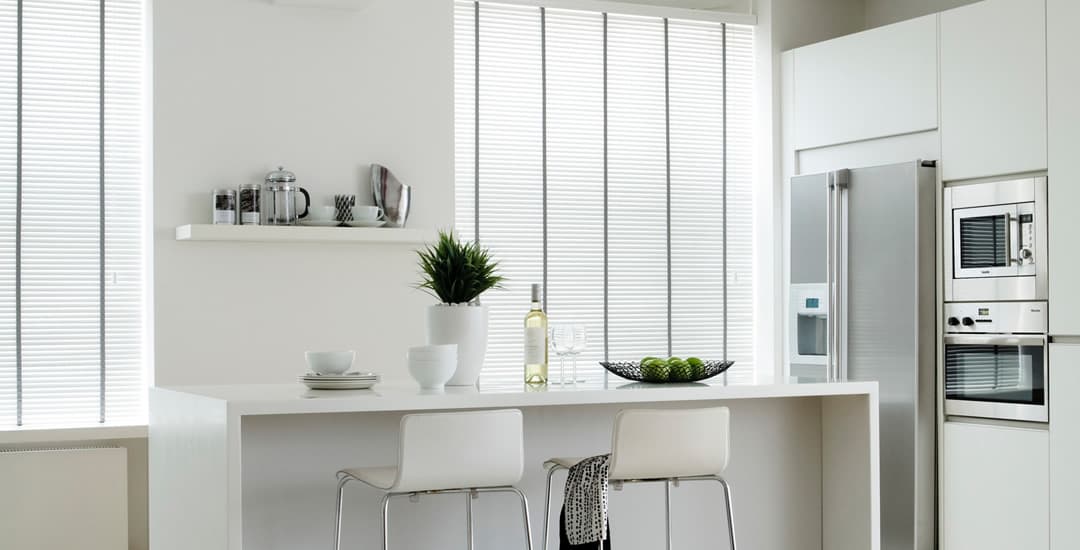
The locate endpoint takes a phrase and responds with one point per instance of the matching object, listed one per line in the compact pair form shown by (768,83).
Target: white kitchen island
(252,466)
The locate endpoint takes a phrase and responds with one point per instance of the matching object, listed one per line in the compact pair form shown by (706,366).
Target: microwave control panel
(1026,251)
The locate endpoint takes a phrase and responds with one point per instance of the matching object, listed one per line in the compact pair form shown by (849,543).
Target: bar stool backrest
(669,443)
(459,450)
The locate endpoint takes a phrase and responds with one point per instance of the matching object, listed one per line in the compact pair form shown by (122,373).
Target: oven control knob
(968,321)
(953,321)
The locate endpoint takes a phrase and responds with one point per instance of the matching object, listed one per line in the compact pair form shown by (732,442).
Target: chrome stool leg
(468,519)
(524,517)
(547,508)
(386,521)
(667,512)
(342,480)
(730,511)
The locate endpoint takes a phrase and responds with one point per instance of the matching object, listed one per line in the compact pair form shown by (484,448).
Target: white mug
(367,213)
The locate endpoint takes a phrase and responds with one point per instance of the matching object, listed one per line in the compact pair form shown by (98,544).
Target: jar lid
(224,192)
(281,175)
(244,186)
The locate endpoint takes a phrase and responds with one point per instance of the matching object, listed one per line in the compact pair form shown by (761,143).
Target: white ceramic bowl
(432,375)
(329,362)
(439,352)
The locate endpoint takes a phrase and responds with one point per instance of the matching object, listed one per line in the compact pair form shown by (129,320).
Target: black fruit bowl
(631,370)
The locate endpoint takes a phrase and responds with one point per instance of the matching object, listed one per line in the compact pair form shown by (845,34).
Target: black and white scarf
(585,509)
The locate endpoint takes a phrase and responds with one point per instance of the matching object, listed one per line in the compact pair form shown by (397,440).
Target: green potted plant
(457,273)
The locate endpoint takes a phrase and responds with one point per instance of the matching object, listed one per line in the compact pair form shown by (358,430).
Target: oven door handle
(994,340)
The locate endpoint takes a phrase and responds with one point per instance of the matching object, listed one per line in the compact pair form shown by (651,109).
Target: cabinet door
(993,89)
(994,488)
(1063,185)
(1065,445)
(877,83)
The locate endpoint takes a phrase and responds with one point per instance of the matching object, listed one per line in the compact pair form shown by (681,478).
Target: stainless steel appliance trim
(990,193)
(1001,411)
(994,340)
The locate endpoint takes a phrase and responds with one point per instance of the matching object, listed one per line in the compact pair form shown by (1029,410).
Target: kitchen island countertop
(258,399)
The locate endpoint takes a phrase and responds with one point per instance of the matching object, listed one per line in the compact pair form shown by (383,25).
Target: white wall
(242,85)
(884,12)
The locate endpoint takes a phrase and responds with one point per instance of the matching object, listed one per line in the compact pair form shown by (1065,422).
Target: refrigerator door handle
(830,319)
(840,178)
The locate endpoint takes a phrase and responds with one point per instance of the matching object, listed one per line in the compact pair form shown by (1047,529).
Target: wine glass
(562,343)
(568,339)
(577,347)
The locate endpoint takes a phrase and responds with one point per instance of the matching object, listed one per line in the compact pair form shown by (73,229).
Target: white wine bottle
(536,341)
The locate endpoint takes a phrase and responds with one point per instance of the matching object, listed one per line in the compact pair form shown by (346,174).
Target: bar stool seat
(663,445)
(463,452)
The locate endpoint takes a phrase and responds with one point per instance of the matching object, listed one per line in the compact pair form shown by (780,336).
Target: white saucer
(339,385)
(365,223)
(320,223)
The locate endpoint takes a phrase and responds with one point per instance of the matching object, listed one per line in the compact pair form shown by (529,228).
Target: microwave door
(984,240)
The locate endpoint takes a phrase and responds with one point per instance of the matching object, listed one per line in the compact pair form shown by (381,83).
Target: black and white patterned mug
(343,205)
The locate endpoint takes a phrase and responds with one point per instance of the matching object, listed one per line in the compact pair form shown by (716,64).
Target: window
(609,157)
(72,213)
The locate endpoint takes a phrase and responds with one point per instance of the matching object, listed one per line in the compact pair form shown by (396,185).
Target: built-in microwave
(996,360)
(995,240)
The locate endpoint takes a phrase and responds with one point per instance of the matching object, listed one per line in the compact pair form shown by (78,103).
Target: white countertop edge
(266,399)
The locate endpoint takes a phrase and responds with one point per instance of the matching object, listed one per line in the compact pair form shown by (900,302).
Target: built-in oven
(996,360)
(995,240)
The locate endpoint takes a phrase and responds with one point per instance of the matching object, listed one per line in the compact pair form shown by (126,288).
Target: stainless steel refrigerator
(862,307)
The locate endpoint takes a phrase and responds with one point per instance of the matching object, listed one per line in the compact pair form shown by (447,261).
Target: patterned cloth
(585,510)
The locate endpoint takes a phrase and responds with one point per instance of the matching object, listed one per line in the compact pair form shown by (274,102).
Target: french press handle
(307,202)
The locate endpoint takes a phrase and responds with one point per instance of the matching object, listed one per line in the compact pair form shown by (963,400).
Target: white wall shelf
(354,5)
(270,233)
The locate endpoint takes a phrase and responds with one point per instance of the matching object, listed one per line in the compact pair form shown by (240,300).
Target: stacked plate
(347,381)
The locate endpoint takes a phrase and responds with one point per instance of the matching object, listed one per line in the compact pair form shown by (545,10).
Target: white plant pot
(466,326)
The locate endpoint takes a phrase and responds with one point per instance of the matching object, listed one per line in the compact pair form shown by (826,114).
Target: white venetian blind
(614,166)
(72,221)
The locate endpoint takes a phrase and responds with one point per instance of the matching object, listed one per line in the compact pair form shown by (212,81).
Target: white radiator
(62,499)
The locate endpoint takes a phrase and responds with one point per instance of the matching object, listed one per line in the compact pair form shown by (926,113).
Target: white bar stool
(466,452)
(669,446)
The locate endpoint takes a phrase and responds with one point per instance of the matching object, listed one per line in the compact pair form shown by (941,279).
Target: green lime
(680,371)
(655,371)
(648,359)
(698,367)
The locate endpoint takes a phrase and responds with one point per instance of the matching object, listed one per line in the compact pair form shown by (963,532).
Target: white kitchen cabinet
(1065,445)
(1063,185)
(994,488)
(872,84)
(993,89)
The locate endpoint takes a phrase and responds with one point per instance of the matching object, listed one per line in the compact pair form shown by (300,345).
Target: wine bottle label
(535,344)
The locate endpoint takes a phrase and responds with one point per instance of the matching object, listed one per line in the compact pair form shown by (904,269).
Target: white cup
(329,362)
(322,213)
(433,366)
(366,213)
